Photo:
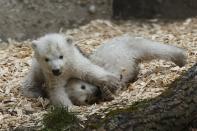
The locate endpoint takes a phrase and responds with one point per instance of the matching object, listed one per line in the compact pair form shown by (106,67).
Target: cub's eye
(46,59)
(61,57)
(83,87)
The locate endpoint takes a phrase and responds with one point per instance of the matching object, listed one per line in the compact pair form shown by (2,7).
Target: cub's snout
(56,72)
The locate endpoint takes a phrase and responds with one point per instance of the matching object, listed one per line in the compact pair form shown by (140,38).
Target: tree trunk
(174,110)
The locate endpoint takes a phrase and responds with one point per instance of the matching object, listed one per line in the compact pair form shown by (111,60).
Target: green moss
(96,125)
(133,107)
(60,119)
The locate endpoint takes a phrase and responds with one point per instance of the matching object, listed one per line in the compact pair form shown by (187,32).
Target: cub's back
(116,55)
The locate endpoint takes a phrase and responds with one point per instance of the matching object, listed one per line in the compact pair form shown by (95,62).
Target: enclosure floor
(16,110)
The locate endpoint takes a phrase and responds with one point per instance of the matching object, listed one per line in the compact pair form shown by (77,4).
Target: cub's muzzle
(56,72)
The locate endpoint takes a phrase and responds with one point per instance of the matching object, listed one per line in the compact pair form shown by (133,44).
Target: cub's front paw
(110,85)
(113,83)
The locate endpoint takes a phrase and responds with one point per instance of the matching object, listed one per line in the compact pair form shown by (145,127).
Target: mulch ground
(17,110)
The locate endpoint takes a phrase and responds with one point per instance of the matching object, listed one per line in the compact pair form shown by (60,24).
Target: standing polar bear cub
(55,61)
(121,56)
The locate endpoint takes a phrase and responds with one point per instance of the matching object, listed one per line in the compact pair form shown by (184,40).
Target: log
(173,110)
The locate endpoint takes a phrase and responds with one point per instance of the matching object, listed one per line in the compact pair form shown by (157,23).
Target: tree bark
(174,110)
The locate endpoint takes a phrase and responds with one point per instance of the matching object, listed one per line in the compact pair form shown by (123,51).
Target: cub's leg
(146,50)
(106,81)
(32,86)
(59,97)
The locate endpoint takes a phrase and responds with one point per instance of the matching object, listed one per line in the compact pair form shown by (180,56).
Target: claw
(106,94)
(110,87)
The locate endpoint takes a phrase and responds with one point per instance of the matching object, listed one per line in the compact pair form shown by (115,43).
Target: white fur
(121,56)
(80,95)
(72,65)
(58,96)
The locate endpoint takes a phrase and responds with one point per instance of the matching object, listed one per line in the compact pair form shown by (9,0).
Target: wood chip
(16,110)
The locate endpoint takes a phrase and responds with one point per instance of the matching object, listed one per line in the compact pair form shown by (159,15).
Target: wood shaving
(17,110)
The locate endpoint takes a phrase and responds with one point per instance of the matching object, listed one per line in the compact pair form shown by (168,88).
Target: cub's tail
(148,50)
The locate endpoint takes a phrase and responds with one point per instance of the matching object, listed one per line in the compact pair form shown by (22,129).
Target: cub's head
(82,93)
(51,51)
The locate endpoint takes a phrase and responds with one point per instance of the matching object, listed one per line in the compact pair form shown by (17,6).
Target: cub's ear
(69,39)
(34,44)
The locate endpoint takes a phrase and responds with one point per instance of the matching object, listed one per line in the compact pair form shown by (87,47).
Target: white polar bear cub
(121,56)
(55,61)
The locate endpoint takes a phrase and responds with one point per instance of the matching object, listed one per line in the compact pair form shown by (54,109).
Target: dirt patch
(22,19)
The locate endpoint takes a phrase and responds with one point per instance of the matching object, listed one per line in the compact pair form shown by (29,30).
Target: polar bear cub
(55,61)
(121,56)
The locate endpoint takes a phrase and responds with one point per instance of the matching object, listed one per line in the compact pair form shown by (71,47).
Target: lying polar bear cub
(121,56)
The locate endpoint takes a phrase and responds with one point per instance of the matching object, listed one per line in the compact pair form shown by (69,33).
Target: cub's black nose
(56,72)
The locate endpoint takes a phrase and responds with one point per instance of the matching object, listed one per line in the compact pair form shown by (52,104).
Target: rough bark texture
(174,110)
(154,8)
